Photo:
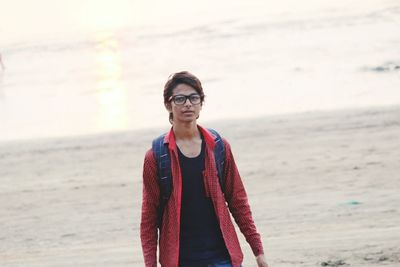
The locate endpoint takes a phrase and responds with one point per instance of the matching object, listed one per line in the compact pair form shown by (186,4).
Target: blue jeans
(222,264)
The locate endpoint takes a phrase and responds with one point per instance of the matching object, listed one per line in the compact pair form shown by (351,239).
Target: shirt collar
(209,138)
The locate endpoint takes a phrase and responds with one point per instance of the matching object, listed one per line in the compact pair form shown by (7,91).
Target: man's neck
(186,131)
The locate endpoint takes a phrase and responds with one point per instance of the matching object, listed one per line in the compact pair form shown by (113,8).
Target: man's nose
(187,102)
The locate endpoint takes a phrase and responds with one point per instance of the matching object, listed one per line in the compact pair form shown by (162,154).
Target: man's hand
(261,262)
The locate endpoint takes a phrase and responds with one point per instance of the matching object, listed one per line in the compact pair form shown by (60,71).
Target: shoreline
(264,118)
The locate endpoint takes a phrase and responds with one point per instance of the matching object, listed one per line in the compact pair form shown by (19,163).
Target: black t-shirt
(201,240)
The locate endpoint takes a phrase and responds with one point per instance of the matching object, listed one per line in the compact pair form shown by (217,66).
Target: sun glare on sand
(111,94)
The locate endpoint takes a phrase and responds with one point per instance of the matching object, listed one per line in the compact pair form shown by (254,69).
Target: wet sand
(323,186)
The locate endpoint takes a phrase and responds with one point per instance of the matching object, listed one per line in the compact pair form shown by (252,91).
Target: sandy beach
(323,186)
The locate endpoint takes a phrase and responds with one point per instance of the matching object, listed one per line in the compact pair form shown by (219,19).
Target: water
(254,58)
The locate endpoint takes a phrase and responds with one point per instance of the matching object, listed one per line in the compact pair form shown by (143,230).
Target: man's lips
(188,111)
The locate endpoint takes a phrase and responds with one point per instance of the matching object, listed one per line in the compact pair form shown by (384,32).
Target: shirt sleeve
(236,197)
(150,202)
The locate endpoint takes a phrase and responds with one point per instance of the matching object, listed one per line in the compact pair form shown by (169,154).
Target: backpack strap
(219,154)
(163,160)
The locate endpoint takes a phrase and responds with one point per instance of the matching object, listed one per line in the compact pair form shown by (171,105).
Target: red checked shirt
(235,197)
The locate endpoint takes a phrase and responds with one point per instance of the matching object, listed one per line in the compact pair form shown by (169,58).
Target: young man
(195,225)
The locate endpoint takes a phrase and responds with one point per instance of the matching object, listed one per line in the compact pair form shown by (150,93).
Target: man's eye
(180,99)
(195,98)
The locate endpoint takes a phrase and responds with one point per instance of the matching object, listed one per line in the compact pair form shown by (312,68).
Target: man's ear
(168,106)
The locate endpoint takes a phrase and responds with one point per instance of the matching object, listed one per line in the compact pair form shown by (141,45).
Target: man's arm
(235,195)
(150,202)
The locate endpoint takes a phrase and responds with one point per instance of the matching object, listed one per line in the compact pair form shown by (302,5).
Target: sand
(323,186)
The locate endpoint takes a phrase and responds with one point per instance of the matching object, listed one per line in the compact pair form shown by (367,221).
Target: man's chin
(188,120)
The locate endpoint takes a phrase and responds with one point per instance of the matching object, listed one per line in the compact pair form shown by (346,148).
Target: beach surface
(323,187)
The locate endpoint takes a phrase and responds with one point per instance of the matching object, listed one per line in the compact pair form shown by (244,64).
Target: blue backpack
(163,160)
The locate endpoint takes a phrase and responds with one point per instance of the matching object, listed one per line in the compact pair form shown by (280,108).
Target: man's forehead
(183,89)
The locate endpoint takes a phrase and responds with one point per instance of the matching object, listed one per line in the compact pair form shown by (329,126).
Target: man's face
(183,107)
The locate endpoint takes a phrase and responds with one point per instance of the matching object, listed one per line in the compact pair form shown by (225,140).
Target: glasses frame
(172,98)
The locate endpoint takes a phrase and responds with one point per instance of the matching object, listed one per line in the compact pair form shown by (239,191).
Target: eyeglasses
(195,99)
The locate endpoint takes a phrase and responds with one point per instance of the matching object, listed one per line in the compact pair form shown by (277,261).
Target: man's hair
(183,77)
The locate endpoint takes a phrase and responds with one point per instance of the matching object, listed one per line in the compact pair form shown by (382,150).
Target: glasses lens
(195,99)
(179,99)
